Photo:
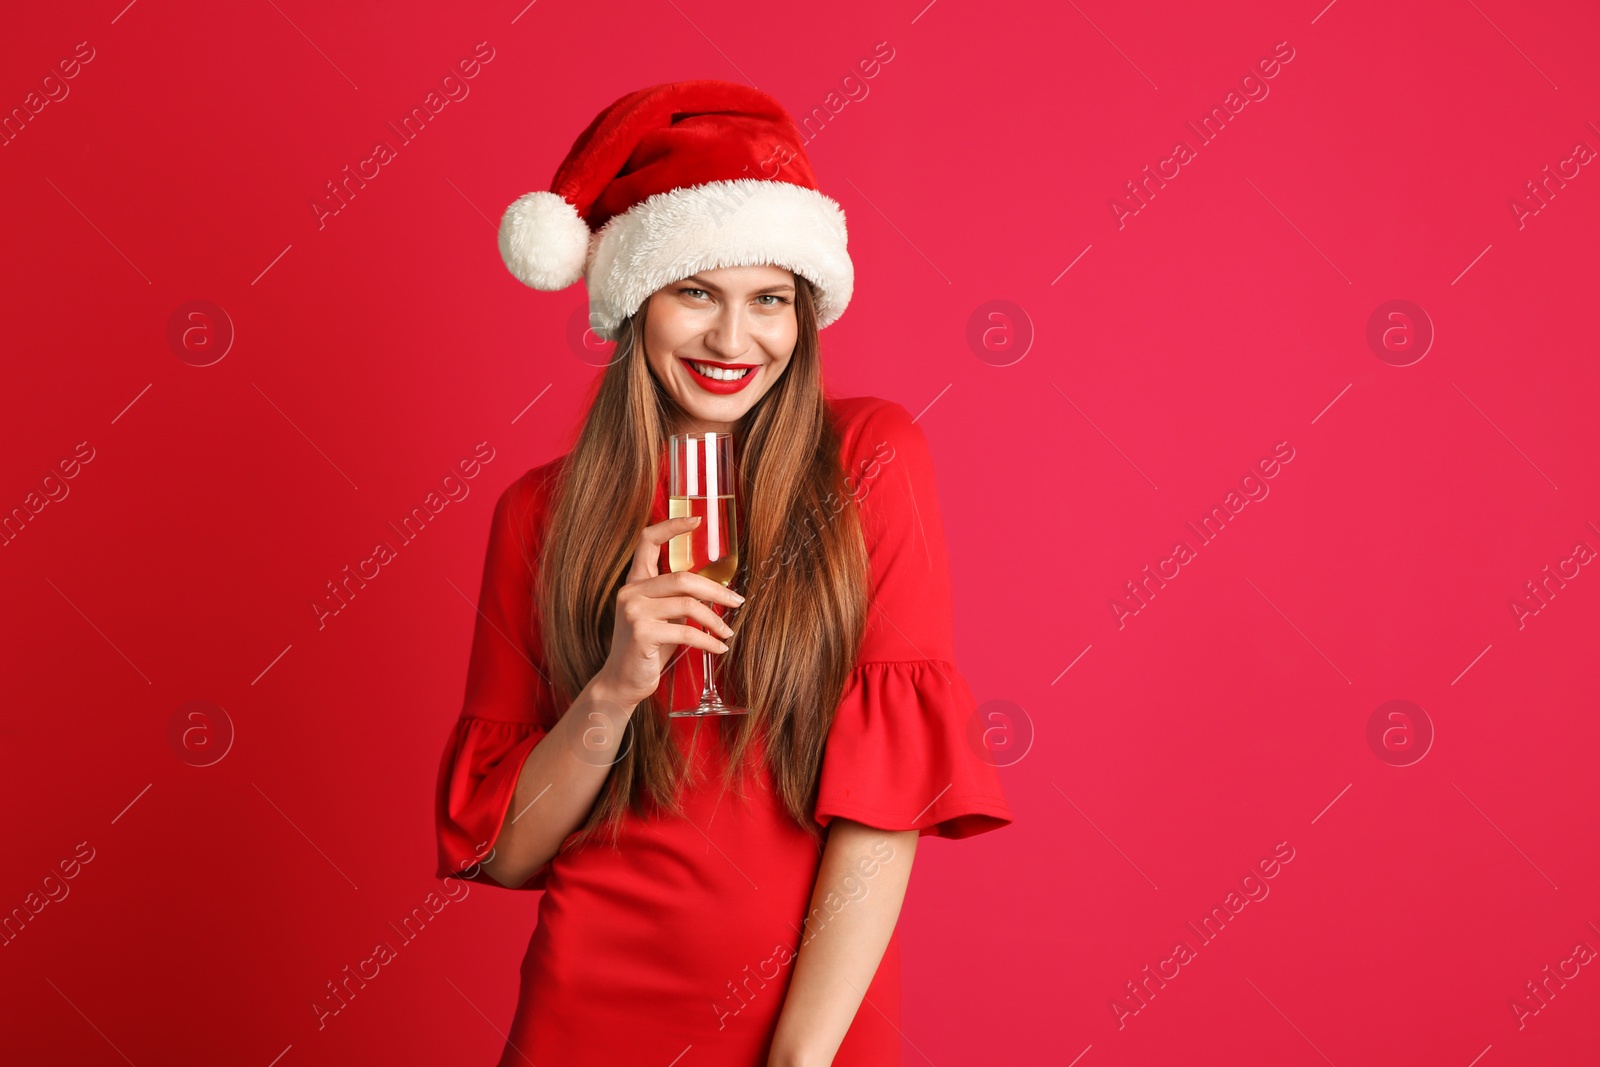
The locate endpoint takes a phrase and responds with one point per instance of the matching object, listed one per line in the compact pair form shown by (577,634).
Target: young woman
(716,890)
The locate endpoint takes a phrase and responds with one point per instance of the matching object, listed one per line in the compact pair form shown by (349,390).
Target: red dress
(677,946)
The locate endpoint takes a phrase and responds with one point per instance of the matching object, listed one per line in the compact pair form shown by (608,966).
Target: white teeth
(721,374)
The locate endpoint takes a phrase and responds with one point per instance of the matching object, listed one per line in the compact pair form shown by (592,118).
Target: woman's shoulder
(536,485)
(520,511)
(869,424)
(885,458)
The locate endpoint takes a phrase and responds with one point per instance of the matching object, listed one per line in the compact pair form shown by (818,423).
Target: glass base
(705,710)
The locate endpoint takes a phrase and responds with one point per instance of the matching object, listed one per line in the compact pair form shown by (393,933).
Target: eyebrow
(701,283)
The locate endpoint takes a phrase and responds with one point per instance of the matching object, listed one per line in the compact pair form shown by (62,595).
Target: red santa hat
(675,179)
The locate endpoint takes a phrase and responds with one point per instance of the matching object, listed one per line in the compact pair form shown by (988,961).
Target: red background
(1229,314)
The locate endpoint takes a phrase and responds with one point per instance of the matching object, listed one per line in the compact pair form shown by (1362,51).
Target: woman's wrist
(609,698)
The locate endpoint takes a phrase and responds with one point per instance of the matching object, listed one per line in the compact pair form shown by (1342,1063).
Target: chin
(708,409)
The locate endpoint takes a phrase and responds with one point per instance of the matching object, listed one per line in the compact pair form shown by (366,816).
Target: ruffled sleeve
(903,753)
(509,706)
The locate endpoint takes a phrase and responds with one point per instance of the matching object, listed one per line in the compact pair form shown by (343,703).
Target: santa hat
(675,179)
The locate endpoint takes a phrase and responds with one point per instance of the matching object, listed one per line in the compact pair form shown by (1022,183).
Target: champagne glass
(702,483)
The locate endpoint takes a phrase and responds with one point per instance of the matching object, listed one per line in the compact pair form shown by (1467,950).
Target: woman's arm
(556,787)
(860,886)
(565,770)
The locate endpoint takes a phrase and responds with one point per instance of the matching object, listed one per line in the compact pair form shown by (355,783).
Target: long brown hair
(802,568)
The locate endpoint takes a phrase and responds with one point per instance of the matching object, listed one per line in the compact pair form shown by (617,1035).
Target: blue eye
(696,294)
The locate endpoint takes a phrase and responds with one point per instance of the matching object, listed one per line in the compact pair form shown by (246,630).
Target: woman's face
(719,339)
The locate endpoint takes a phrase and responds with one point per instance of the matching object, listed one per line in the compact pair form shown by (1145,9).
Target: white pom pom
(543,241)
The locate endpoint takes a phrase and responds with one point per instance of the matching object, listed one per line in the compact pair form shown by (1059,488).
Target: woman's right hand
(651,613)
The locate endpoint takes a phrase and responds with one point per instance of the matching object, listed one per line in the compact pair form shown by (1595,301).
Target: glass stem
(709,697)
(708,693)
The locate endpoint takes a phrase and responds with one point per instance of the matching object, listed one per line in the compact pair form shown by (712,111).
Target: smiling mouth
(720,372)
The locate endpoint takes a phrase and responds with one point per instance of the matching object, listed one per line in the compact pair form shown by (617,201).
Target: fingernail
(737,597)
(724,647)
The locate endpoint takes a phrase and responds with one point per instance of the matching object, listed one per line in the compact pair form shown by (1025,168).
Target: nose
(729,334)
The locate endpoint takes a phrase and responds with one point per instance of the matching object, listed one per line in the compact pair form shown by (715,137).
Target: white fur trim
(738,223)
(543,241)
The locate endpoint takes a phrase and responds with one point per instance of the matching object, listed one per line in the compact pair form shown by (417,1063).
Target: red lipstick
(721,388)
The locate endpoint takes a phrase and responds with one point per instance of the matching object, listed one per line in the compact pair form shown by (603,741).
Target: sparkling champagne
(712,548)
(701,481)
